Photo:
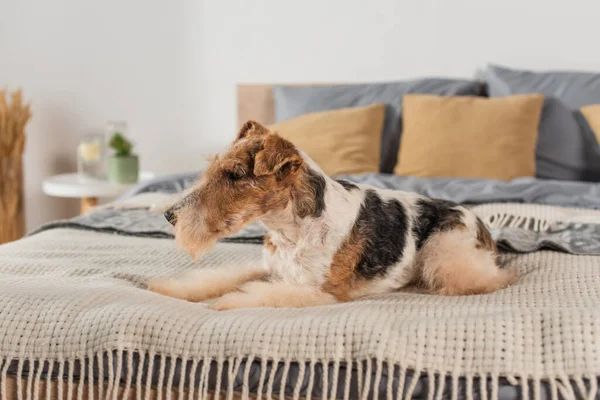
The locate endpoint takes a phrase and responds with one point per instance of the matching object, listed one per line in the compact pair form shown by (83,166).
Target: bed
(77,322)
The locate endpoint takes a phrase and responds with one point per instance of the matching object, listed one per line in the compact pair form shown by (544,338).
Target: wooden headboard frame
(255,101)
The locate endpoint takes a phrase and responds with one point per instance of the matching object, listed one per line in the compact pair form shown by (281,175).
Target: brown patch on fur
(484,238)
(308,194)
(269,244)
(341,278)
(261,172)
(454,222)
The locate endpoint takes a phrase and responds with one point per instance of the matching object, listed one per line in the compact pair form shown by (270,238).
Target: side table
(89,190)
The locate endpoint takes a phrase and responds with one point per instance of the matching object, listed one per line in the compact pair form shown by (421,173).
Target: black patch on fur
(346,184)
(384,225)
(317,182)
(435,216)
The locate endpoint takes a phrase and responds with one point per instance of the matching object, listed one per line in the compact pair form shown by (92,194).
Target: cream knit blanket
(68,295)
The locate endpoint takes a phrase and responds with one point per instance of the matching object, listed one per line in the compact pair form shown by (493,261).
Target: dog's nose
(170,216)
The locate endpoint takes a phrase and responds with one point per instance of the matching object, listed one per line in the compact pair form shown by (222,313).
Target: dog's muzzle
(171,217)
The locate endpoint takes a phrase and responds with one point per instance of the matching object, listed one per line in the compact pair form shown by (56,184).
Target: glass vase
(90,157)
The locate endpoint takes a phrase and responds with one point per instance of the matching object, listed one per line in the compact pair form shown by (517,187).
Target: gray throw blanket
(512,232)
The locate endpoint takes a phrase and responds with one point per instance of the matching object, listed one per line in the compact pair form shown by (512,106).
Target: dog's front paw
(168,288)
(232,301)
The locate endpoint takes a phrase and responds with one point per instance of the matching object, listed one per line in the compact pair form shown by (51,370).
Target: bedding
(460,136)
(571,230)
(72,294)
(344,141)
(574,88)
(514,231)
(592,116)
(293,101)
(460,190)
(567,148)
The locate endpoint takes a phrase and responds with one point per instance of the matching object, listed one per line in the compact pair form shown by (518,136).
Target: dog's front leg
(207,283)
(273,294)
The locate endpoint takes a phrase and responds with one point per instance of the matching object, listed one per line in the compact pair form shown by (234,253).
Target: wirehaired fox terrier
(328,240)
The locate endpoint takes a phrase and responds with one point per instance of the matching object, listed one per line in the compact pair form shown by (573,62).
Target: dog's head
(258,174)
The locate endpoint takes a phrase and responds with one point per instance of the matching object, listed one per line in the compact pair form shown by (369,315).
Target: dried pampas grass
(13,118)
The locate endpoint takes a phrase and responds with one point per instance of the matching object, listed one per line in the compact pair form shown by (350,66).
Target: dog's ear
(251,128)
(278,156)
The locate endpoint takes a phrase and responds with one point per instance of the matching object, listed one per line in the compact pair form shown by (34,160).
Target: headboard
(255,101)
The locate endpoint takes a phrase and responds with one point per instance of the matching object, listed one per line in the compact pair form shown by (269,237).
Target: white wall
(170,67)
(360,40)
(82,63)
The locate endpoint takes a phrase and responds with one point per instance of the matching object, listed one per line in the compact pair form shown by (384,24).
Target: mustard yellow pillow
(471,137)
(344,141)
(592,115)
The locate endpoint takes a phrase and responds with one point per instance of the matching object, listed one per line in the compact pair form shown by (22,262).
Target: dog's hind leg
(453,263)
(273,294)
(207,283)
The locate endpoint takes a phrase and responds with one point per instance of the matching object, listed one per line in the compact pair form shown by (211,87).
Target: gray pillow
(293,101)
(567,148)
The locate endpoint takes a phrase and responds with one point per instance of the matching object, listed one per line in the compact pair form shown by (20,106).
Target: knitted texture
(71,295)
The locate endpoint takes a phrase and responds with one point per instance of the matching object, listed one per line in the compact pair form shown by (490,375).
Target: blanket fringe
(204,378)
(401,379)
(38,379)
(367,380)
(19,373)
(246,380)
(192,380)
(593,387)
(263,374)
(503,220)
(33,372)
(203,386)
(61,370)
(271,381)
(454,395)
(390,381)
(431,388)
(184,375)
(300,380)
(378,374)
(441,387)
(311,379)
(151,357)
(414,379)
(286,370)
(117,376)
(90,374)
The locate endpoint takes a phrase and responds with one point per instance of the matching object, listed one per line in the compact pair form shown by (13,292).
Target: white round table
(87,189)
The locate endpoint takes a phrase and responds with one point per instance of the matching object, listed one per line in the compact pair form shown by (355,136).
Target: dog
(328,241)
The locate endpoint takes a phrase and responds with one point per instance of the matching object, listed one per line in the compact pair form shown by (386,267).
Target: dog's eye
(233,175)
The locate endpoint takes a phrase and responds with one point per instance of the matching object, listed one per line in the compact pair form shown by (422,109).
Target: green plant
(121,145)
